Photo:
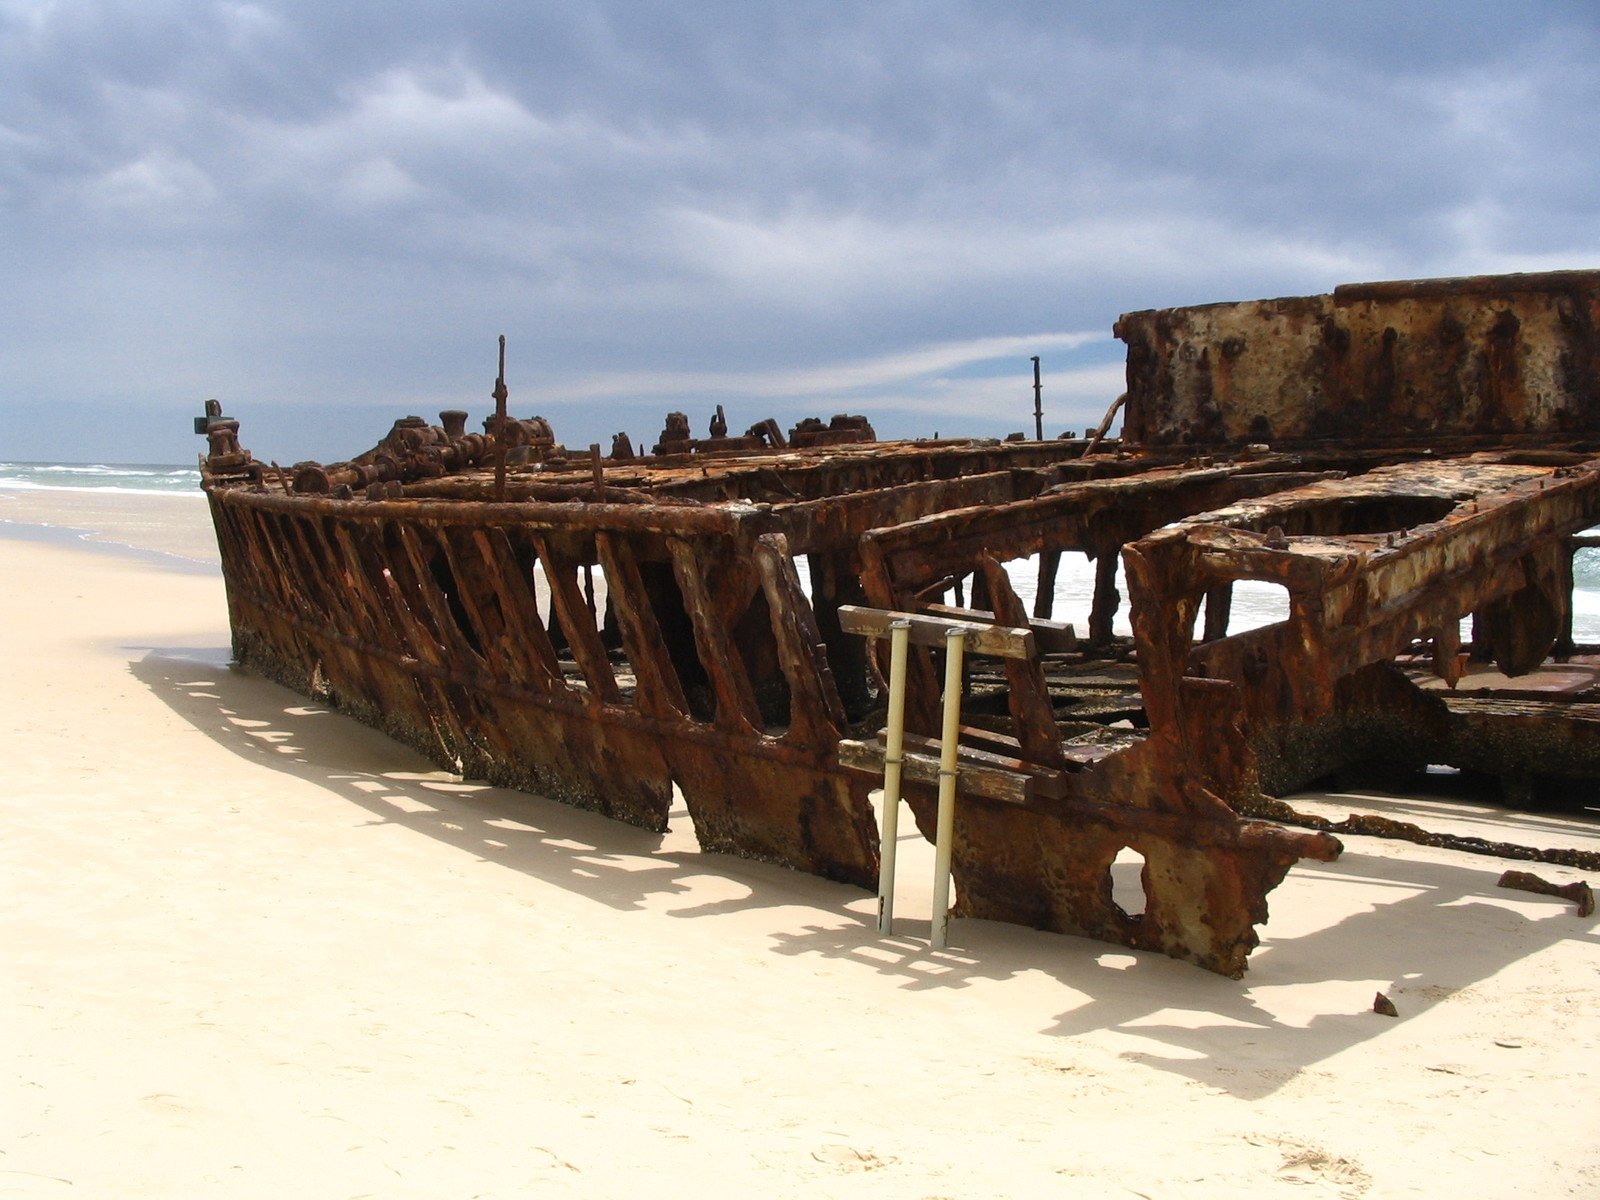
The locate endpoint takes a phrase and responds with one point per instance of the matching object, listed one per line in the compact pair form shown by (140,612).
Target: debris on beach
(1579,892)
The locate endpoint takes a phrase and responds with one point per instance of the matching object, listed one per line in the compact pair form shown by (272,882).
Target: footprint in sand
(848,1158)
(1311,1164)
(1308,1163)
(166,1102)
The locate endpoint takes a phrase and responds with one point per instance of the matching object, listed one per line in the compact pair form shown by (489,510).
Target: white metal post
(955,647)
(893,757)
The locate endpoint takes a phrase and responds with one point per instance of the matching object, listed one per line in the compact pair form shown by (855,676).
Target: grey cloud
(296,199)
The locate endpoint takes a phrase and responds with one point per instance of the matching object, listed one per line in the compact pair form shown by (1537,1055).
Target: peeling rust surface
(1493,358)
(1413,464)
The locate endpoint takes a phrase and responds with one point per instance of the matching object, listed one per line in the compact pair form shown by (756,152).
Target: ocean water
(100,477)
(100,504)
(1256,604)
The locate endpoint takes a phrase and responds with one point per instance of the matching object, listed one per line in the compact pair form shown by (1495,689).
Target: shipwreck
(1413,463)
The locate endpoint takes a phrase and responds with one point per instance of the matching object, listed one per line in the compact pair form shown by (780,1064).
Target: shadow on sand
(1427,929)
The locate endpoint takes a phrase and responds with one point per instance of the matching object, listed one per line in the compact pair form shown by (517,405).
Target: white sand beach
(255,949)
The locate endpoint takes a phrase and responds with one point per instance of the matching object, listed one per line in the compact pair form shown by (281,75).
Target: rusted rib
(1103,608)
(427,587)
(660,692)
(363,578)
(525,641)
(736,701)
(816,712)
(1044,596)
(484,615)
(577,622)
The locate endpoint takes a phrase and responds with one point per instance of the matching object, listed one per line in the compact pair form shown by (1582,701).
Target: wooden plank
(997,641)
(974,778)
(1051,637)
(1047,781)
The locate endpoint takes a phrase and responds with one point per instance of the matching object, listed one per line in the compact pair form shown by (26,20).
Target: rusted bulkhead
(602,629)
(1494,358)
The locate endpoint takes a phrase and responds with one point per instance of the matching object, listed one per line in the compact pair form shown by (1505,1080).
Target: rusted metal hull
(604,630)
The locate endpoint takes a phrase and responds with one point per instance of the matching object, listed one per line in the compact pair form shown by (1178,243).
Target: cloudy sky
(324,213)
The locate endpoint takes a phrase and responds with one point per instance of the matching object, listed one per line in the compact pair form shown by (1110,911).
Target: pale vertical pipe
(955,647)
(893,757)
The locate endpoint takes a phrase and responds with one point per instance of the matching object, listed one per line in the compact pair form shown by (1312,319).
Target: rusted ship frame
(1397,456)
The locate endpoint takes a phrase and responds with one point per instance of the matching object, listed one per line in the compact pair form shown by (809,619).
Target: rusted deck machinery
(1398,457)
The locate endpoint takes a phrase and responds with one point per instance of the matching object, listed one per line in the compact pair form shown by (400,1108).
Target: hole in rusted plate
(1256,603)
(1127,882)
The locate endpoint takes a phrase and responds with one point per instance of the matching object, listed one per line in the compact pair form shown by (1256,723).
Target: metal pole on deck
(955,647)
(1038,403)
(500,395)
(893,757)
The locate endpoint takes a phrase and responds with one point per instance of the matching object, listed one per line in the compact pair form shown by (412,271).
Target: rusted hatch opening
(1363,515)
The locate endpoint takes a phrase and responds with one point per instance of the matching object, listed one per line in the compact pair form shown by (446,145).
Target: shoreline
(168,525)
(94,541)
(244,923)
